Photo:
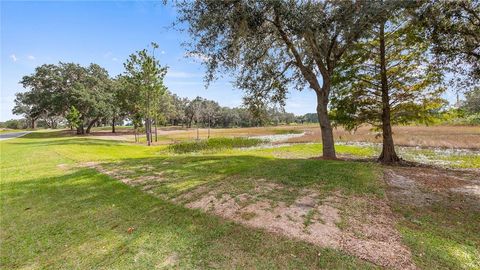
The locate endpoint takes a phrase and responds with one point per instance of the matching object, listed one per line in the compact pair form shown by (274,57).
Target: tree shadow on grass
(65,137)
(80,220)
(49,134)
(65,141)
(174,175)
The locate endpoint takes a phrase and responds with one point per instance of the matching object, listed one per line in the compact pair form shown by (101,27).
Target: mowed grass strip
(443,235)
(172,176)
(52,217)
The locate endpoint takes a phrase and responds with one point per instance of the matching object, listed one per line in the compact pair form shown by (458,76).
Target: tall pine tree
(387,79)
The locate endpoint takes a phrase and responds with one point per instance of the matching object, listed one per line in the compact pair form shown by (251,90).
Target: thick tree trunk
(328,143)
(135,132)
(113,124)
(151,131)
(80,130)
(388,154)
(156,130)
(90,125)
(321,91)
(147,130)
(33,123)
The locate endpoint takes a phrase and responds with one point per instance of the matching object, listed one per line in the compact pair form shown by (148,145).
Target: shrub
(473,119)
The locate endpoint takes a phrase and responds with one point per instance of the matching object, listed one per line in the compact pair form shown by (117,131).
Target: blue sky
(34,33)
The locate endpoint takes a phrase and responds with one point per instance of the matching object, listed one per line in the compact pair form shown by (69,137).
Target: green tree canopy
(53,89)
(144,85)
(274,45)
(387,79)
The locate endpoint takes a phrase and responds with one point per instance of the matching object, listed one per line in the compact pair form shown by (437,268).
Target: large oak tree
(53,89)
(453,27)
(273,46)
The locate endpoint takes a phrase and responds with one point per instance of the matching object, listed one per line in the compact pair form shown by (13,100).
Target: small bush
(213,144)
(473,119)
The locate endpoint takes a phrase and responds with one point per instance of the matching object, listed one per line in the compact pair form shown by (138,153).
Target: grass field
(98,202)
(53,218)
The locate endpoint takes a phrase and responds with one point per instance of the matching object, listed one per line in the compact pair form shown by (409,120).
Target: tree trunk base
(388,158)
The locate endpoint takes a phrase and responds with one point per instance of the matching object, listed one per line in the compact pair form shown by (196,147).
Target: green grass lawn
(442,236)
(58,213)
(78,218)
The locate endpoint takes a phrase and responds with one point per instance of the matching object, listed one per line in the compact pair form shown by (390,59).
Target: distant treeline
(178,111)
(82,97)
(69,95)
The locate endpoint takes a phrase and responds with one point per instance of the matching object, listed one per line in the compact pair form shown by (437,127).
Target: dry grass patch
(358,225)
(424,186)
(440,212)
(467,137)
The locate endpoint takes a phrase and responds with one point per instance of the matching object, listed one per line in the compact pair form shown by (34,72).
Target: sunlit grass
(442,235)
(308,151)
(432,251)
(56,213)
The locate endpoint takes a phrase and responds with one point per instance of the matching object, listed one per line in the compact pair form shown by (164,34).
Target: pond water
(278,137)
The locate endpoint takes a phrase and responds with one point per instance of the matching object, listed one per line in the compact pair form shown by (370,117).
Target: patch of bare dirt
(369,234)
(169,262)
(145,182)
(63,166)
(422,186)
(358,225)
(472,190)
(406,190)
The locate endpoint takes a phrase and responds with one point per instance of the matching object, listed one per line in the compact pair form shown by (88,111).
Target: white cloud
(162,52)
(13,57)
(31,57)
(115,59)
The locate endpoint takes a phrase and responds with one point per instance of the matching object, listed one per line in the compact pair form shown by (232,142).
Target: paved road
(12,135)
